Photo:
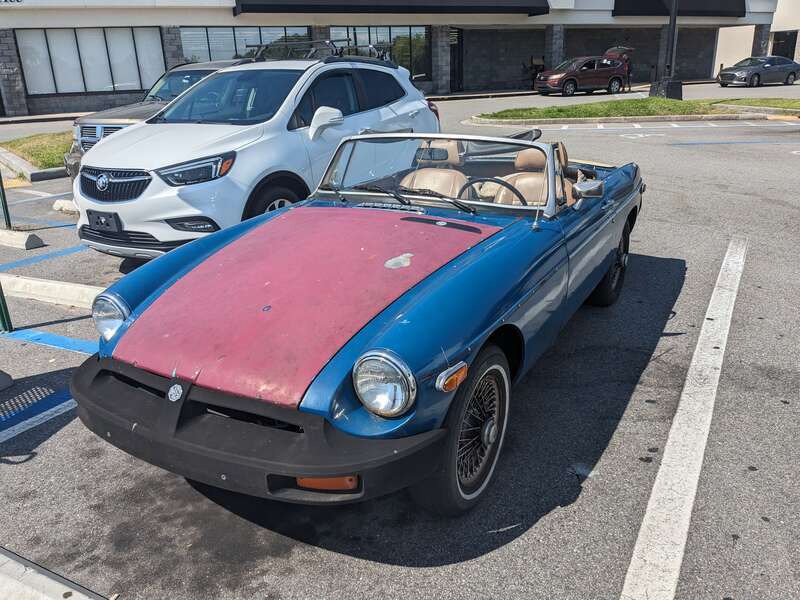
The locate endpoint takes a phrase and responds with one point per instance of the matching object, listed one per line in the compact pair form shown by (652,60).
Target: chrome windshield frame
(546,211)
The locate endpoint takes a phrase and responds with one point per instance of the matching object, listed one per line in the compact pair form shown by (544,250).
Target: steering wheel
(502,182)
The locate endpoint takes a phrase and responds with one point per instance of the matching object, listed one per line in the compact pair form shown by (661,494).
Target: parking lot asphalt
(590,423)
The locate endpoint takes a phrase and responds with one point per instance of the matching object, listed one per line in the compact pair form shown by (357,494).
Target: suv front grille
(127,239)
(91,134)
(120,185)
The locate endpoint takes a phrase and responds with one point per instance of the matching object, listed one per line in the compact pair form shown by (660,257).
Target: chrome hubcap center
(489,432)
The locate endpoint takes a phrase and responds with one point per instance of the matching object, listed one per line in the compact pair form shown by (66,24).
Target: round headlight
(109,313)
(384,383)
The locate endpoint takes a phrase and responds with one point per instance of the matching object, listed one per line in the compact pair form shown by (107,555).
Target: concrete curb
(5,381)
(27,170)
(476,120)
(53,292)
(66,206)
(23,240)
(770,110)
(25,580)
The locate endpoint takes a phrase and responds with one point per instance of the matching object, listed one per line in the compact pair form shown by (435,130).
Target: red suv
(587,73)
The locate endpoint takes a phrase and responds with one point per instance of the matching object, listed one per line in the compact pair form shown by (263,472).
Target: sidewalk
(41,118)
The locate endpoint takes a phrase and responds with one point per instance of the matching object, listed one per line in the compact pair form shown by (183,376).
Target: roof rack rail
(332,46)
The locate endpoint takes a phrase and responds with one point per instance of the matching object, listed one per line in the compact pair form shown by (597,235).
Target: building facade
(83,55)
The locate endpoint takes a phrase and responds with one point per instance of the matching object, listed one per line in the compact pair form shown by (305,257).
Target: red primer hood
(263,315)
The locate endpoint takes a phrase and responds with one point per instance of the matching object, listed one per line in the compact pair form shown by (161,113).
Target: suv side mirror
(767,66)
(324,117)
(591,188)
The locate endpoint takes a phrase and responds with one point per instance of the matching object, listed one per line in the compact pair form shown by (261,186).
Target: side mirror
(324,117)
(591,188)
(767,66)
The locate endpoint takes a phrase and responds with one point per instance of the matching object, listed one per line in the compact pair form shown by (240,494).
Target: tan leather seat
(438,175)
(530,179)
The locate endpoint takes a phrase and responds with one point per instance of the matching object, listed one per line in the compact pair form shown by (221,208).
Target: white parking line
(42,417)
(637,126)
(34,192)
(39,198)
(658,554)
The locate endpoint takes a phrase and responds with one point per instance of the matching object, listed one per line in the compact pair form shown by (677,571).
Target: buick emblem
(175,392)
(102,182)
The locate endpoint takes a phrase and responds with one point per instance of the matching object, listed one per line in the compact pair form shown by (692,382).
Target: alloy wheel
(620,262)
(614,86)
(277,204)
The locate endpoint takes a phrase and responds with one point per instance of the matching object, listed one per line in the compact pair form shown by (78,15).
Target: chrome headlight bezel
(108,324)
(215,166)
(405,378)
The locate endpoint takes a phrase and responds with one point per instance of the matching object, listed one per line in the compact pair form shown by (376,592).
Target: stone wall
(440,59)
(494,59)
(695,54)
(173,46)
(65,103)
(12,87)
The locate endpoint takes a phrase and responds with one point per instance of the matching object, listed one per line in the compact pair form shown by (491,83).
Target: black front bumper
(242,444)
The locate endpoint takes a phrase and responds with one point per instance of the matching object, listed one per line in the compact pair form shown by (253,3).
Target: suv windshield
(750,62)
(567,65)
(235,97)
(439,170)
(173,84)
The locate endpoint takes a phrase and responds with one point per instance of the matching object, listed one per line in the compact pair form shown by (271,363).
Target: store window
(409,47)
(202,44)
(92,59)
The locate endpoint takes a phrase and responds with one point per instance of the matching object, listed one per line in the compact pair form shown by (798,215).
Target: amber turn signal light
(348,483)
(449,380)
(225,166)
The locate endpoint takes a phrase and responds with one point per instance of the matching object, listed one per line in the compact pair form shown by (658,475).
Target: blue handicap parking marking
(52,340)
(24,262)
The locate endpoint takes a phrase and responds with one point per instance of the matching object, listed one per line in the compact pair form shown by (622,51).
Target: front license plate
(103,221)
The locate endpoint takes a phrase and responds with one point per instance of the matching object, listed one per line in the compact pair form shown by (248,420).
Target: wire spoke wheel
(480,432)
(620,262)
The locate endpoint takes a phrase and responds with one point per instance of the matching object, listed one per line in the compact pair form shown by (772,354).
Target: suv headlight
(384,383)
(109,312)
(198,171)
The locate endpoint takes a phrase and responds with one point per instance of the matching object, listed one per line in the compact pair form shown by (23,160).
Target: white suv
(246,140)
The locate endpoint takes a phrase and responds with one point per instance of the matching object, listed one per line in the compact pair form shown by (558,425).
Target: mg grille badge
(175,392)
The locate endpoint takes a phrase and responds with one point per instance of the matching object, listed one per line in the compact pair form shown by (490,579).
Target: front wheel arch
(511,342)
(285,179)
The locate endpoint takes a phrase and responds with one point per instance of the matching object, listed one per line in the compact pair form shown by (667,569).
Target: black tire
(271,198)
(481,404)
(609,288)
(723,85)
(615,85)
(569,88)
(755,81)
(790,79)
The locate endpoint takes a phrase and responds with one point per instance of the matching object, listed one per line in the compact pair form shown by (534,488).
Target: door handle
(413,114)
(606,205)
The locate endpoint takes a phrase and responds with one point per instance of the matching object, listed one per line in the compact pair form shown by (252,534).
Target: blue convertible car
(366,339)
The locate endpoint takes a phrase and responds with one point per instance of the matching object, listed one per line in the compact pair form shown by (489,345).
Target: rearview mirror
(591,188)
(324,117)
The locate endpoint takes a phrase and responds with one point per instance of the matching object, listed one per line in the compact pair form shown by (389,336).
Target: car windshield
(420,170)
(567,65)
(750,62)
(173,84)
(241,97)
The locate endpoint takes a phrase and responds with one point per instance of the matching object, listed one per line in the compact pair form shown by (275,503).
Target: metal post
(4,205)
(5,317)
(672,36)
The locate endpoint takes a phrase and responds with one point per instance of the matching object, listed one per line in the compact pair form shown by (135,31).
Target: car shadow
(25,393)
(565,412)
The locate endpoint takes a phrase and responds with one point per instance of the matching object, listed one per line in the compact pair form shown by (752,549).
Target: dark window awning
(686,8)
(527,7)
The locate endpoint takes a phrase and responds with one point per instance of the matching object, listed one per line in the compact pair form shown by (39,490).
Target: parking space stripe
(52,340)
(733,142)
(35,414)
(40,198)
(48,223)
(658,554)
(21,578)
(25,262)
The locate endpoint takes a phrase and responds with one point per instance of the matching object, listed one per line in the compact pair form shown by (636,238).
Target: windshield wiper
(335,190)
(154,97)
(434,194)
(382,190)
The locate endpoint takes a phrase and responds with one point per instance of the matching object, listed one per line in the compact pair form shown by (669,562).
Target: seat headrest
(439,152)
(530,160)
